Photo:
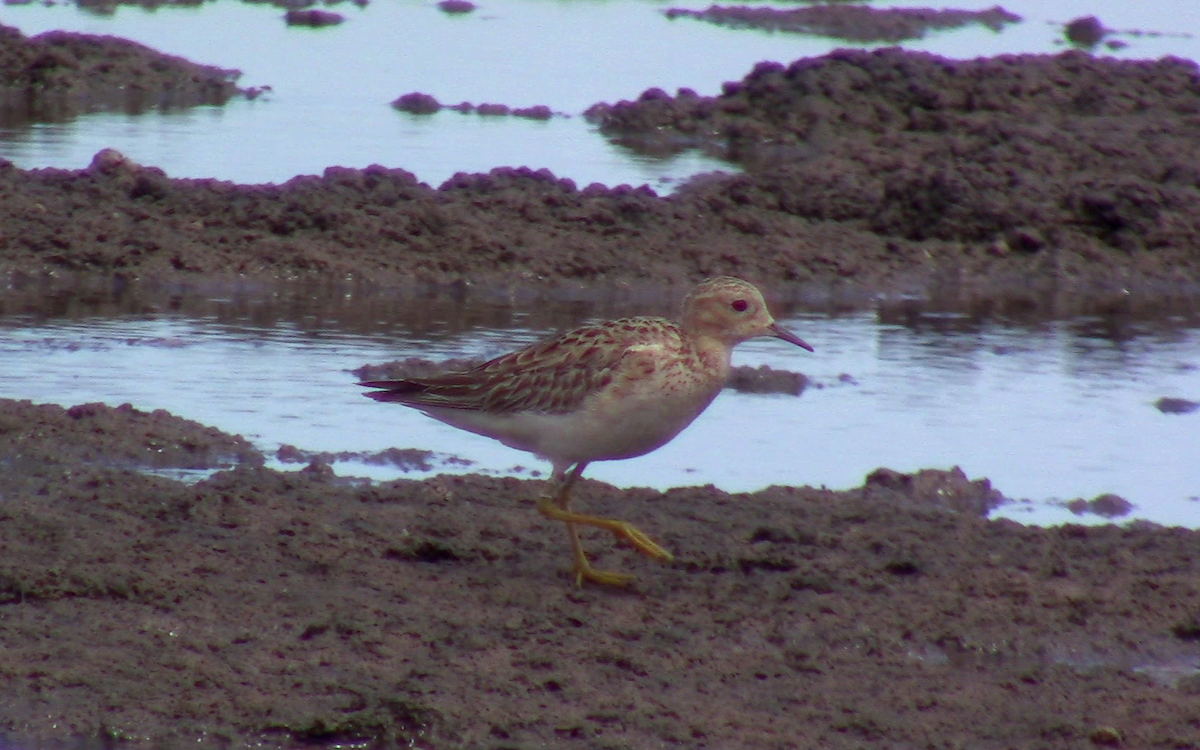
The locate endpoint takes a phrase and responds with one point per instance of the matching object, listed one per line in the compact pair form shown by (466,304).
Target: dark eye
(740,305)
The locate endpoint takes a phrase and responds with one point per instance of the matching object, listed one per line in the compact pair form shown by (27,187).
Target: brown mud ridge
(1054,160)
(405,459)
(58,75)
(291,609)
(418,103)
(853,23)
(1024,182)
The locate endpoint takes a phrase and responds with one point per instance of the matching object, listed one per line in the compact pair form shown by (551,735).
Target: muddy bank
(1018,181)
(58,75)
(290,609)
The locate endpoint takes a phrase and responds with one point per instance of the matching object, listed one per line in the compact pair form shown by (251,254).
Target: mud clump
(456,7)
(766,379)
(1170,405)
(313,18)
(942,489)
(418,103)
(1087,31)
(1107,505)
(404,459)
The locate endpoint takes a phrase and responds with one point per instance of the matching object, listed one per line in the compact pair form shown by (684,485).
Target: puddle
(331,88)
(1049,412)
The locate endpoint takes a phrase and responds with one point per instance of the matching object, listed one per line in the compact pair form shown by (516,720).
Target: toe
(603,577)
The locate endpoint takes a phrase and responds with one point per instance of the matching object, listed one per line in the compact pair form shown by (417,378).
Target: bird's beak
(780,332)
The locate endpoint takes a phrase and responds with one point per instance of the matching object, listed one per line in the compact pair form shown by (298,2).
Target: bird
(600,392)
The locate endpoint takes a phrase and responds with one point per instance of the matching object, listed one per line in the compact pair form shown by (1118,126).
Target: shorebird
(601,392)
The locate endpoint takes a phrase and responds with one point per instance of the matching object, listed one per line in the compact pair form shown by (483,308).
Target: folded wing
(551,377)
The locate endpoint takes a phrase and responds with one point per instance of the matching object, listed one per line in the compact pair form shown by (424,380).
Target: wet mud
(1068,167)
(286,609)
(1022,182)
(293,609)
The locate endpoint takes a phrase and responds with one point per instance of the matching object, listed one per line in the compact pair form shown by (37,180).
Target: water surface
(1048,411)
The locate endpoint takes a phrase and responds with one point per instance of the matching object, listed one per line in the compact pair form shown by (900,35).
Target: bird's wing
(550,377)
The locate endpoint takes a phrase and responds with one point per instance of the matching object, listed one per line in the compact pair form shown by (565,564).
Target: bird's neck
(715,356)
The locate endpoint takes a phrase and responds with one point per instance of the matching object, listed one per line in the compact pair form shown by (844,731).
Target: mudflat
(298,609)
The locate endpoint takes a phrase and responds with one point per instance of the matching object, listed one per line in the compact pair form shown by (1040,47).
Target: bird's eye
(740,305)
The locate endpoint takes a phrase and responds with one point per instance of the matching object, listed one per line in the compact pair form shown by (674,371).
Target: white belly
(605,429)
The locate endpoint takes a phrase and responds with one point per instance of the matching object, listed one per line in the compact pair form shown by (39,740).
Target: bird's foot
(585,572)
(549,508)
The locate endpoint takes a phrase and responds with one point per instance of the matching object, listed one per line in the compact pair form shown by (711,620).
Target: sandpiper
(601,392)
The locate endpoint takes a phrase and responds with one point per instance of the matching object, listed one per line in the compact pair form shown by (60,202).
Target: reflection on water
(1048,410)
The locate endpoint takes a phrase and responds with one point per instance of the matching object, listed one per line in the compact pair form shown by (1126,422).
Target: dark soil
(456,7)
(294,609)
(418,103)
(1087,31)
(300,609)
(1168,405)
(1028,182)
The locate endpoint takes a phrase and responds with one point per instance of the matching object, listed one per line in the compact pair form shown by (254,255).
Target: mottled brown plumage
(605,391)
(551,377)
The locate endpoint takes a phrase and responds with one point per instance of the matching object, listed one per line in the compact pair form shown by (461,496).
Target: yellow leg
(554,506)
(585,571)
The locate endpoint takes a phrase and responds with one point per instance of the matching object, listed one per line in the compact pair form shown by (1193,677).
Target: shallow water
(331,87)
(1048,411)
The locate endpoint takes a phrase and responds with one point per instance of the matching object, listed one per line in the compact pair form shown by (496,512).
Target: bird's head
(732,310)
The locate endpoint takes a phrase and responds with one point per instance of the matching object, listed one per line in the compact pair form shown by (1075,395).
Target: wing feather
(550,377)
